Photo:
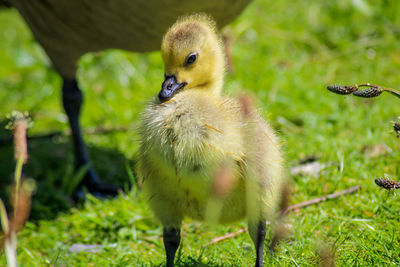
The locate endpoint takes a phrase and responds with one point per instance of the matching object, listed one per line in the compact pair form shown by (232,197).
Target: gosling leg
(172,238)
(257,232)
(72,101)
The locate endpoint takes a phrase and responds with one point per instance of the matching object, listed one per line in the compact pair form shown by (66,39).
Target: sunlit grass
(285,53)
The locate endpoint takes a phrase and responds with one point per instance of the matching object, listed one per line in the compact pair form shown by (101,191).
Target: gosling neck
(213,86)
(216,81)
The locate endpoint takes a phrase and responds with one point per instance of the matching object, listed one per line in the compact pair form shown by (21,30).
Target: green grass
(285,53)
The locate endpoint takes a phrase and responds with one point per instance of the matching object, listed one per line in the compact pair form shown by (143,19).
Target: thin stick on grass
(221,238)
(324,198)
(290,208)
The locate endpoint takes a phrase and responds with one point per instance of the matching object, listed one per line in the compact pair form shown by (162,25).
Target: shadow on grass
(51,165)
(196,263)
(190,262)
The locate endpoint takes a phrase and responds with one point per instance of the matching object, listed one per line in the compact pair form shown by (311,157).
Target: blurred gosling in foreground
(202,152)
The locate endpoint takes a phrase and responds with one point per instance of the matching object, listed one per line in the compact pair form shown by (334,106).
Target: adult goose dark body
(67,29)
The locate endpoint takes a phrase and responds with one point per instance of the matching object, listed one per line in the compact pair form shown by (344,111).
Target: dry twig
(292,207)
(324,198)
(231,235)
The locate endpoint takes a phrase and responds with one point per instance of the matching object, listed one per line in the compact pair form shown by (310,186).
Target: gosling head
(193,57)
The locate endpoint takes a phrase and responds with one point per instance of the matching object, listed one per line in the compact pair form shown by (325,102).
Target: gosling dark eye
(191,59)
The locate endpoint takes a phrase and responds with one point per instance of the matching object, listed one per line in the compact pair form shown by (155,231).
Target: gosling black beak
(169,88)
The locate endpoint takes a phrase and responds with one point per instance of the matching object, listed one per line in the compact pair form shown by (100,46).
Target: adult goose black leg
(72,101)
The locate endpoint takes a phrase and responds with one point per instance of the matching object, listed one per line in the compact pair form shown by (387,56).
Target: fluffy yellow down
(186,140)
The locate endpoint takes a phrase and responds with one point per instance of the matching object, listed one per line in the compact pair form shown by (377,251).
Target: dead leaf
(376,150)
(308,169)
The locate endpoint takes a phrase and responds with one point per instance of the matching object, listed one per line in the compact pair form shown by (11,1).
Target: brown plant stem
(22,192)
(373,90)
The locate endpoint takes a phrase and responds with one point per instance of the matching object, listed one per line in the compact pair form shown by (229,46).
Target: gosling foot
(172,238)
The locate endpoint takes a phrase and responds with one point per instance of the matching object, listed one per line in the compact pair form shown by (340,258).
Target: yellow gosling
(197,143)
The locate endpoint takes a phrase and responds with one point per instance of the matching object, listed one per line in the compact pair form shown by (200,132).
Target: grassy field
(285,53)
